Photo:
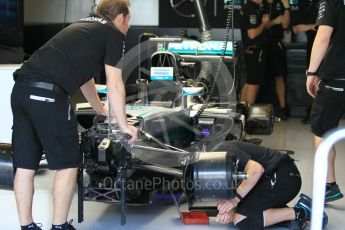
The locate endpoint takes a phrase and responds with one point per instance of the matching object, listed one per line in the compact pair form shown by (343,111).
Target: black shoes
(65,226)
(333,193)
(293,224)
(304,203)
(282,114)
(32,226)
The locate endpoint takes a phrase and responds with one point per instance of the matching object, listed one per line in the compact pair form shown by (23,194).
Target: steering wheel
(184,8)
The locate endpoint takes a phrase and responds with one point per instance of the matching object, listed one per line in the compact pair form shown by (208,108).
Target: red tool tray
(194,218)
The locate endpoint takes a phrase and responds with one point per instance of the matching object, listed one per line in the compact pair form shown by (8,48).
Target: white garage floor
(162,214)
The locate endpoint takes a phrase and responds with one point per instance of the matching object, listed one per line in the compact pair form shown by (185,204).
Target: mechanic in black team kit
(254,38)
(328,64)
(279,11)
(43,120)
(261,200)
(303,18)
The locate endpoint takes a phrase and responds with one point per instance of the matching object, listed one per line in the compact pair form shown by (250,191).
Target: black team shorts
(276,59)
(43,123)
(272,191)
(327,109)
(256,65)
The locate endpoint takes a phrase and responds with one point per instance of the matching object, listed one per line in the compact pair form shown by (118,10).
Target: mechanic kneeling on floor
(42,114)
(261,200)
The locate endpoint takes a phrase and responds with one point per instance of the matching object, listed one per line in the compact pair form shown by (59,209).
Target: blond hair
(110,9)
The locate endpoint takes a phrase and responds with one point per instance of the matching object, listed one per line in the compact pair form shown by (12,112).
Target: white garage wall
(144,12)
(6,84)
(53,11)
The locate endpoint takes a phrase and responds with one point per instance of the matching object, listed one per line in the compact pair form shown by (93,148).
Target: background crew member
(254,37)
(328,63)
(279,11)
(303,18)
(274,181)
(43,119)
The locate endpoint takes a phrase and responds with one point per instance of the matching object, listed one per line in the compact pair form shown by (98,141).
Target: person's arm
(283,19)
(303,28)
(320,47)
(116,97)
(276,21)
(286,15)
(255,32)
(89,92)
(255,171)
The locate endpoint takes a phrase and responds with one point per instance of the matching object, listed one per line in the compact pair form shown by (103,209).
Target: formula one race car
(180,118)
(173,148)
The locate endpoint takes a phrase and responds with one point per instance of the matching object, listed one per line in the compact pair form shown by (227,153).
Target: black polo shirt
(332,13)
(276,9)
(303,11)
(252,16)
(243,152)
(76,54)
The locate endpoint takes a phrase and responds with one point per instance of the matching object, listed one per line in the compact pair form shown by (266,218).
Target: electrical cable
(228,27)
(233,47)
(94,6)
(226,132)
(65,17)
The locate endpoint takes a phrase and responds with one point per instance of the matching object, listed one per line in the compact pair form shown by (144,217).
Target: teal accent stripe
(159,78)
(333,196)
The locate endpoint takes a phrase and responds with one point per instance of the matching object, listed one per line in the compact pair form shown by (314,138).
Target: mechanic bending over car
(261,200)
(43,119)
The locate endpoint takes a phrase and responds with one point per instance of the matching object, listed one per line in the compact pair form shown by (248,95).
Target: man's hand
(225,206)
(286,3)
(133,132)
(312,85)
(224,218)
(303,28)
(278,20)
(104,110)
(265,19)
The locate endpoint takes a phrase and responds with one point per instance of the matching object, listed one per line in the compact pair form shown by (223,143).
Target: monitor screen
(8,13)
(11,22)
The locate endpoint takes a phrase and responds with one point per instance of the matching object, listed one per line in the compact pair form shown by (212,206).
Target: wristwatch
(239,196)
(286,8)
(307,73)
